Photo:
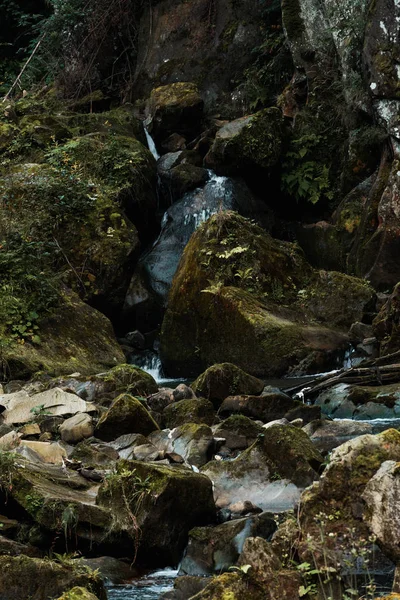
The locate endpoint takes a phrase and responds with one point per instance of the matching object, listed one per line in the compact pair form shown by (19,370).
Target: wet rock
(359,331)
(13,548)
(327,435)
(264,333)
(268,407)
(125,415)
(248,142)
(144,452)
(196,410)
(158,266)
(24,577)
(214,549)
(110,568)
(194,442)
(175,108)
(77,428)
(185,587)
(96,455)
(270,473)
(22,408)
(78,593)
(336,502)
(220,381)
(179,498)
(264,567)
(232,585)
(183,392)
(357,402)
(183,178)
(386,324)
(238,431)
(160,400)
(381,496)
(124,378)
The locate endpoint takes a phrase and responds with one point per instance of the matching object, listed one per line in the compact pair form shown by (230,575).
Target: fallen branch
(16,82)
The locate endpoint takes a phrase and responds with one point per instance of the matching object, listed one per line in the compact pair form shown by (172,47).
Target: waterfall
(150,141)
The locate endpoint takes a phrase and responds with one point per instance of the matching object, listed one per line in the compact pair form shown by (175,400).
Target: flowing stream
(149,587)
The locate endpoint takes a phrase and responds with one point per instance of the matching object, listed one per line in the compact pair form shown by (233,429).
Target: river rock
(336,504)
(196,410)
(22,408)
(268,407)
(175,108)
(233,585)
(238,431)
(125,415)
(183,392)
(93,454)
(381,514)
(77,428)
(327,435)
(110,568)
(248,142)
(160,400)
(177,497)
(52,453)
(220,381)
(270,473)
(185,587)
(214,549)
(263,333)
(266,569)
(24,577)
(343,401)
(194,442)
(13,548)
(386,324)
(78,593)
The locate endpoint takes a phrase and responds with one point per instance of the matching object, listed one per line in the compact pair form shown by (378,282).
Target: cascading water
(150,141)
(149,587)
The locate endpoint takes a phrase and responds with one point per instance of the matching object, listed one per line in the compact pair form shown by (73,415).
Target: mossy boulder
(73,337)
(220,381)
(125,378)
(270,473)
(194,442)
(337,502)
(239,432)
(262,297)
(248,142)
(231,586)
(214,549)
(196,410)
(386,324)
(175,108)
(78,593)
(154,494)
(38,579)
(125,415)
(269,407)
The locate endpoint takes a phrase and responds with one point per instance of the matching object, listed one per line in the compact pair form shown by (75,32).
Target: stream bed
(149,587)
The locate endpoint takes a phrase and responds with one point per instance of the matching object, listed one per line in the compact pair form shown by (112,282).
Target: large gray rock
(77,428)
(343,401)
(327,435)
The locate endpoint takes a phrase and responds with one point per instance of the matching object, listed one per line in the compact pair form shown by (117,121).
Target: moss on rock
(196,410)
(78,593)
(125,415)
(226,379)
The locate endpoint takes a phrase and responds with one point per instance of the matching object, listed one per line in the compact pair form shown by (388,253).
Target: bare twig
(17,81)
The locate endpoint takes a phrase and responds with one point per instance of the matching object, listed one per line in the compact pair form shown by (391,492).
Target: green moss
(129,379)
(189,411)
(125,415)
(222,380)
(292,19)
(78,593)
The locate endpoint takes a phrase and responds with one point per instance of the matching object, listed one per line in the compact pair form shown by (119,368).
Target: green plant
(33,503)
(39,410)
(302,175)
(8,469)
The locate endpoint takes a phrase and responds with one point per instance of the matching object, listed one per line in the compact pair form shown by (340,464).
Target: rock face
(386,324)
(262,328)
(178,498)
(270,473)
(220,381)
(357,402)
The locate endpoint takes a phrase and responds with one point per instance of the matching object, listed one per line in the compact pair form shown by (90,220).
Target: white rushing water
(149,587)
(152,365)
(150,141)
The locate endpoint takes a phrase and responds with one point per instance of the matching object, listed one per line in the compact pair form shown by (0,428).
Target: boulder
(220,381)
(327,435)
(22,408)
(110,568)
(266,569)
(196,410)
(291,313)
(124,378)
(73,336)
(343,401)
(76,428)
(24,577)
(175,108)
(93,454)
(270,474)
(178,498)
(13,548)
(194,442)
(212,550)
(235,586)
(248,142)
(386,324)
(336,506)
(238,431)
(185,587)
(78,593)
(381,512)
(153,278)
(268,407)
(51,453)
(125,415)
